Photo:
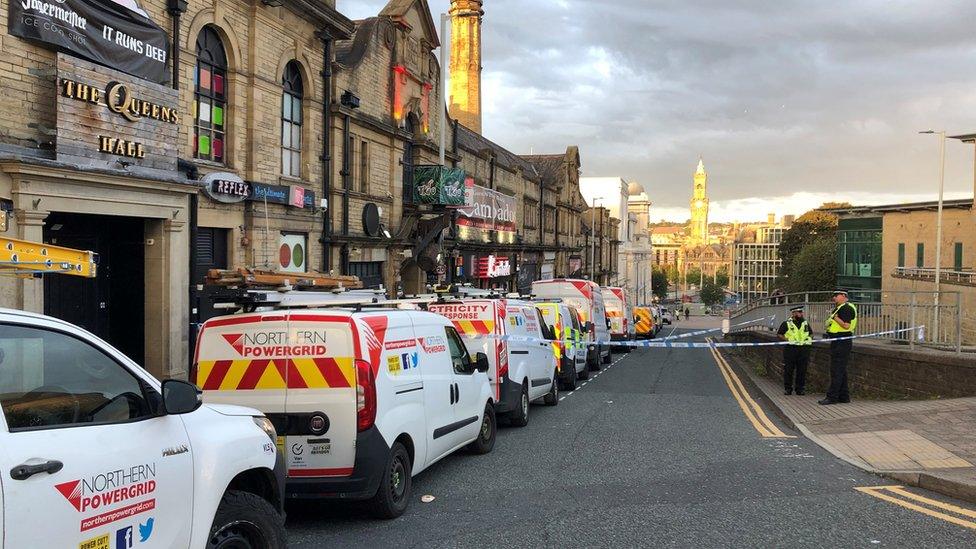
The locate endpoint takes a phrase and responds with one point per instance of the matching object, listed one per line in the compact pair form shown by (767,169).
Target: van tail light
(365,395)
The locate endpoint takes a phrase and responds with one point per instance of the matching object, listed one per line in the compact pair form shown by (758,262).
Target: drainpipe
(454,145)
(326,158)
(346,173)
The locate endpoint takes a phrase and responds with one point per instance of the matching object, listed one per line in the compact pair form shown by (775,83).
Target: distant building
(755,258)
(699,207)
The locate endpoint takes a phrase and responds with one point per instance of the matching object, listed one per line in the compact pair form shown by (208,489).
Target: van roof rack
(253,300)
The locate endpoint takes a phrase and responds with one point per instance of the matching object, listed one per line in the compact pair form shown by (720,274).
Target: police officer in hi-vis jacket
(796,354)
(840,324)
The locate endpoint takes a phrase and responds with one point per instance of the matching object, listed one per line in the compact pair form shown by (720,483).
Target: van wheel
(552,397)
(246,520)
(585,374)
(607,359)
(486,436)
(520,417)
(393,495)
(570,383)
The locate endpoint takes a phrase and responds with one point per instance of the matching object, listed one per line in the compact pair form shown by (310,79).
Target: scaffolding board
(29,259)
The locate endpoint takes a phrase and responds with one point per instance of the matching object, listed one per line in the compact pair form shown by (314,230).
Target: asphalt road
(654,451)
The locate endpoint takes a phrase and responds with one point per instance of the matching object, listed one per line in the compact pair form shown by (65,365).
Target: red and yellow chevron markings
(475,327)
(270,374)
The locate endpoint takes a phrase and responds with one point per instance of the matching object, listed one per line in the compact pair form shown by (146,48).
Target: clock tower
(699,207)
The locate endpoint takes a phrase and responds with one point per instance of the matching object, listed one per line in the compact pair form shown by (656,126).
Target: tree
(711,293)
(722,277)
(692,275)
(807,229)
(814,268)
(659,283)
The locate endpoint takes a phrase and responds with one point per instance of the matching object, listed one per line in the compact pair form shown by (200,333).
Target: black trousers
(795,360)
(840,355)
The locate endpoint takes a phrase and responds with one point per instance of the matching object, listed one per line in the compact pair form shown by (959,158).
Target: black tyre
(585,374)
(552,397)
(393,495)
(486,436)
(245,520)
(607,359)
(597,359)
(568,379)
(520,416)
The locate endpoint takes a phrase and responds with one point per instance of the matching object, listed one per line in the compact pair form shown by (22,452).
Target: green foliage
(808,228)
(693,275)
(711,293)
(722,277)
(659,282)
(814,268)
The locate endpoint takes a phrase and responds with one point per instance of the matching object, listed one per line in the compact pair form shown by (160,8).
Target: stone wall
(875,371)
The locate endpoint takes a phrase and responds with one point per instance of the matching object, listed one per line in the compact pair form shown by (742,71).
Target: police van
(361,400)
(518,344)
(586,297)
(95,452)
(563,321)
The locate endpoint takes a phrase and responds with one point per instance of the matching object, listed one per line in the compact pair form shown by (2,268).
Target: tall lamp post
(593,240)
(938,228)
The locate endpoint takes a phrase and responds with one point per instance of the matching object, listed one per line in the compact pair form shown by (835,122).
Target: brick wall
(875,371)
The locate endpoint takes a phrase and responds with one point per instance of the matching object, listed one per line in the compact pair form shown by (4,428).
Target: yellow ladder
(27,259)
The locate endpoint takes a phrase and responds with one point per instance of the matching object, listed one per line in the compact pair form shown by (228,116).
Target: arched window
(291,121)
(210,97)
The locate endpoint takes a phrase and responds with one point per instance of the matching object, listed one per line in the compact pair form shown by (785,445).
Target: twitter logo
(145,530)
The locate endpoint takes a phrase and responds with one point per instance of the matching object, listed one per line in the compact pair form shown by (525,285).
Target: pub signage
(438,185)
(226,187)
(289,195)
(104,31)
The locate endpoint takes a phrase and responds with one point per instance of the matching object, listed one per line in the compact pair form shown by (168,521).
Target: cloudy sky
(790,103)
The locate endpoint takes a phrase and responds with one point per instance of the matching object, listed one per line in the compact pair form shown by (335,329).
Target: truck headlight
(266,426)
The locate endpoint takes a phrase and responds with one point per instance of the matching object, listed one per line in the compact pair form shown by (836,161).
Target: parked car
(587,298)
(362,400)
(521,369)
(667,317)
(568,345)
(95,451)
(645,326)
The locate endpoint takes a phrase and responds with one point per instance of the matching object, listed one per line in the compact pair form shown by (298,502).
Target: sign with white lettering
(102,31)
(226,187)
(486,210)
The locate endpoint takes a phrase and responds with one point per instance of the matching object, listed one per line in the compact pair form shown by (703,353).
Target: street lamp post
(938,229)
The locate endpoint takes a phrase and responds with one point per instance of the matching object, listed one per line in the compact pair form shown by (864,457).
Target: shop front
(484,249)
(110,184)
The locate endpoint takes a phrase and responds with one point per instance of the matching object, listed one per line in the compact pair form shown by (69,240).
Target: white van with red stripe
(517,341)
(619,313)
(362,401)
(588,300)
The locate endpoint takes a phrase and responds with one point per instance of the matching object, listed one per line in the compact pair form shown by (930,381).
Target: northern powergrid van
(362,401)
(588,300)
(512,333)
(618,311)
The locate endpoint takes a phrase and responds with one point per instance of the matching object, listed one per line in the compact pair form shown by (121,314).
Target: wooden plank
(250,278)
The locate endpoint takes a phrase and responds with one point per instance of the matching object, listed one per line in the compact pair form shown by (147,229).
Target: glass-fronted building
(859,264)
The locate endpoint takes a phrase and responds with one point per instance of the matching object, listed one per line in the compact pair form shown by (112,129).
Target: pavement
(929,443)
(664,448)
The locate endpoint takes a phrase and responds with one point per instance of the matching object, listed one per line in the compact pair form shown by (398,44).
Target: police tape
(667,344)
(714,330)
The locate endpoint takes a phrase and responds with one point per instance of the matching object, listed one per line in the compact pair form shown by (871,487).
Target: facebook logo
(123,538)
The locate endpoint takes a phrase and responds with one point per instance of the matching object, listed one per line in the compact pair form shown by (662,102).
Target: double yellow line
(927,506)
(754,413)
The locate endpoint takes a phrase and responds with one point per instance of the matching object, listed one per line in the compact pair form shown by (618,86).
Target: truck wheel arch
(260,482)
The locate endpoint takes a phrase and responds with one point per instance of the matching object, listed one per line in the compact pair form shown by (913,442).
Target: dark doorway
(112,305)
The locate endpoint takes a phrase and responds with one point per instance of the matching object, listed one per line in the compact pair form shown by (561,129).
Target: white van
(362,401)
(619,313)
(563,321)
(95,452)
(588,300)
(521,369)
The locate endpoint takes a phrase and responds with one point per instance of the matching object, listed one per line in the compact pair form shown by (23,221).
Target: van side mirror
(481,362)
(180,397)
(588,326)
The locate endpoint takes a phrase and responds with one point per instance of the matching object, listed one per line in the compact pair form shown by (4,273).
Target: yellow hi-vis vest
(798,335)
(834,328)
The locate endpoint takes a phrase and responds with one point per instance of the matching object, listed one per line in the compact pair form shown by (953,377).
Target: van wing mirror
(180,397)
(588,326)
(481,362)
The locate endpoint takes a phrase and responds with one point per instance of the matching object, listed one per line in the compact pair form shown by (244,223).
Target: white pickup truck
(96,453)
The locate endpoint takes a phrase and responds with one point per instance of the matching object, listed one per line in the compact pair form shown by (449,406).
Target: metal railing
(877,311)
(928,273)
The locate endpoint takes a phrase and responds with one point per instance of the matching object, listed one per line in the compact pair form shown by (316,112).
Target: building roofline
(962,203)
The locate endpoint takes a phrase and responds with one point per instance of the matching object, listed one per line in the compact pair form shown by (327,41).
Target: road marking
(905,495)
(753,411)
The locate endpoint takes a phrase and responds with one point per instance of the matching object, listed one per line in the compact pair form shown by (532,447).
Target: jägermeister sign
(438,185)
